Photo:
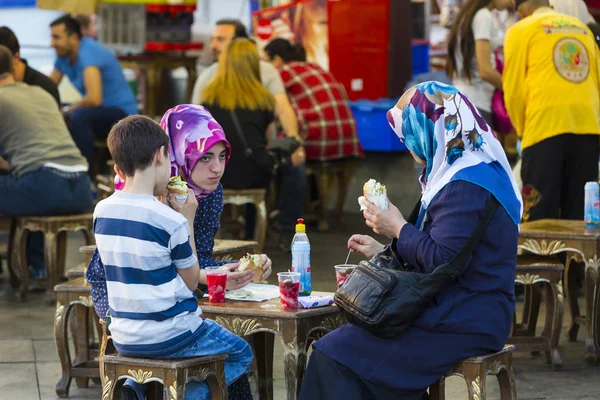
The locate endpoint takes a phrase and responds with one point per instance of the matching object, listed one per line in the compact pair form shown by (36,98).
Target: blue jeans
(86,124)
(213,339)
(44,192)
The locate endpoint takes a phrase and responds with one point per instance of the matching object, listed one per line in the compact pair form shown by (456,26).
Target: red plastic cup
(216,280)
(342,272)
(289,288)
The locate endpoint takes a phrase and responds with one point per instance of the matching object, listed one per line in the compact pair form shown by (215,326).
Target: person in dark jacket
(464,165)
(22,72)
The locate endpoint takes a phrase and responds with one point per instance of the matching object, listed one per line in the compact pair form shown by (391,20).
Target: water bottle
(592,205)
(301,258)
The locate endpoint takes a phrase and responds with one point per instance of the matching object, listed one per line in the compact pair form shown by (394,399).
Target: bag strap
(414,214)
(238,129)
(458,265)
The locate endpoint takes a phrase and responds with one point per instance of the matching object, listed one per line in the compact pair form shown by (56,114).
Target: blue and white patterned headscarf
(441,126)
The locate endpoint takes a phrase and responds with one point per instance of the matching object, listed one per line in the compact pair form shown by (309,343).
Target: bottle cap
(300,227)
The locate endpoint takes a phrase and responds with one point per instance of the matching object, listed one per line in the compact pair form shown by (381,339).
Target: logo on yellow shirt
(571,60)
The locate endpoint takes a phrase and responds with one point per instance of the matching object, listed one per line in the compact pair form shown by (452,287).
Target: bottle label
(301,264)
(592,205)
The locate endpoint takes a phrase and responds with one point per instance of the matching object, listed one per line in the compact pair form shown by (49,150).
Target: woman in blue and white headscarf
(463,166)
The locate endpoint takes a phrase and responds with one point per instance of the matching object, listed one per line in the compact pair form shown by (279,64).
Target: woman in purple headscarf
(198,152)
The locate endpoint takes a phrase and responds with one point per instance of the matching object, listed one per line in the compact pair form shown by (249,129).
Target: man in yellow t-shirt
(551,89)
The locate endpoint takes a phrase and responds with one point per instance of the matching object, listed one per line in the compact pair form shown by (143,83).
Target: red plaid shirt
(325,121)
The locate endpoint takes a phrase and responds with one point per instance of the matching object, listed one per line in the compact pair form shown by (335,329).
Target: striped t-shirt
(142,243)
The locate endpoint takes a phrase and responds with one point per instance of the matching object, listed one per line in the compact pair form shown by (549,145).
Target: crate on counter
(142,27)
(374,131)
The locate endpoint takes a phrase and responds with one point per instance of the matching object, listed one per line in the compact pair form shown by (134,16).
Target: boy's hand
(237,279)
(188,210)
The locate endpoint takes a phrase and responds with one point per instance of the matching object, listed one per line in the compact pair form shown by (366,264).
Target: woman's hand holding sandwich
(384,222)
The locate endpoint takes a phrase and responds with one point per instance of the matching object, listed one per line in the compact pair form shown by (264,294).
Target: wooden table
(74,301)
(153,65)
(296,328)
(550,237)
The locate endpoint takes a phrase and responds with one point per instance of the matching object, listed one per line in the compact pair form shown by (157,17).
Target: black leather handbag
(385,298)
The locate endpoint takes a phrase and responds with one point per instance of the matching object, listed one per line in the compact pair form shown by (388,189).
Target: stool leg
(554,321)
(10,255)
(533,298)
(111,388)
(80,331)
(218,387)
(437,391)
(174,385)
(61,254)
(51,267)
(506,380)
(260,231)
(475,375)
(571,270)
(21,242)
(61,337)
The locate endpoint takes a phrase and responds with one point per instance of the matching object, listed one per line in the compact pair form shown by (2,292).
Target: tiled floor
(29,367)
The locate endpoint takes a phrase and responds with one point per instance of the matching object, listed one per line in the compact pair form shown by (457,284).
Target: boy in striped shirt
(151,269)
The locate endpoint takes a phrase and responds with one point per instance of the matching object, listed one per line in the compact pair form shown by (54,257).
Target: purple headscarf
(192,132)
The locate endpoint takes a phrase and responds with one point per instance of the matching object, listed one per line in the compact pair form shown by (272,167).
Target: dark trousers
(44,192)
(86,124)
(554,173)
(326,379)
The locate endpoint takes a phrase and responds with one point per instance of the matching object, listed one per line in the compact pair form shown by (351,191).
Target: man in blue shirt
(97,75)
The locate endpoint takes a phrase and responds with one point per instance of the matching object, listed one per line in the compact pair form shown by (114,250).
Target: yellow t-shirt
(551,77)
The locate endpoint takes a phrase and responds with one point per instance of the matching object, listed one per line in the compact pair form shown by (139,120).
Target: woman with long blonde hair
(244,108)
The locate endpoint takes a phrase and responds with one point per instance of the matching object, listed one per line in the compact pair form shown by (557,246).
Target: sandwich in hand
(252,262)
(178,188)
(376,193)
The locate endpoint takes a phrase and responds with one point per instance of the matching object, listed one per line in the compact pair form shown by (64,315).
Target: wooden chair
(172,374)
(256,197)
(329,174)
(475,370)
(539,274)
(55,245)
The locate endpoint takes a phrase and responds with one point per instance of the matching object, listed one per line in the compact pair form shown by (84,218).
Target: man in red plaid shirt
(325,121)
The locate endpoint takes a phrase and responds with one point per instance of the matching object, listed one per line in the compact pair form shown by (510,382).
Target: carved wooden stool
(55,245)
(173,374)
(256,197)
(75,313)
(537,274)
(327,174)
(475,370)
